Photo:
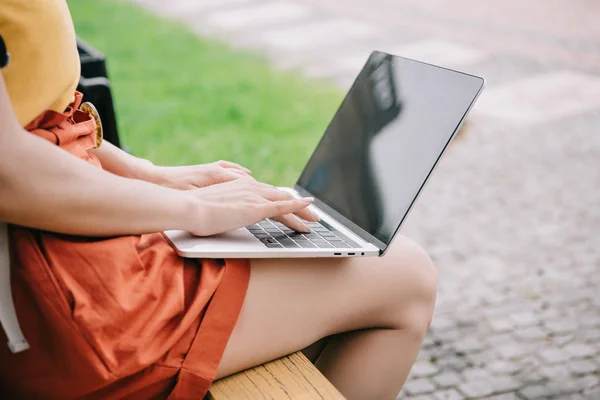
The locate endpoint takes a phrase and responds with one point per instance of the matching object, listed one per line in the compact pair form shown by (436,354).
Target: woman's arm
(123,164)
(44,187)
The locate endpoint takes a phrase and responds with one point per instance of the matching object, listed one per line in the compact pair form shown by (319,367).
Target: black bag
(4,55)
(95,86)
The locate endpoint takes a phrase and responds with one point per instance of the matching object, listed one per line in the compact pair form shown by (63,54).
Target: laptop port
(337,254)
(351,254)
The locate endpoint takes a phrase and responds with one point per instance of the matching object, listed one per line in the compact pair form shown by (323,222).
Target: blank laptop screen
(386,138)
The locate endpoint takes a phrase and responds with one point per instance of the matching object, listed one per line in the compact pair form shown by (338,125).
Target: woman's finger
(221,175)
(292,222)
(234,173)
(271,193)
(308,215)
(274,209)
(238,170)
(229,164)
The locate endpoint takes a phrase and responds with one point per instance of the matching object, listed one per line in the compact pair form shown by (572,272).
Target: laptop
(368,169)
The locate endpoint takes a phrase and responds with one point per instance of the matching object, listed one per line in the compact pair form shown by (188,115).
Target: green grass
(181,99)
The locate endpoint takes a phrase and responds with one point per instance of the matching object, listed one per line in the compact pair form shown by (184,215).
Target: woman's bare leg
(377,309)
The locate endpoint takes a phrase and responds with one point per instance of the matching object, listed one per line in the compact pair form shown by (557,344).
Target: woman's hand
(123,164)
(242,202)
(196,176)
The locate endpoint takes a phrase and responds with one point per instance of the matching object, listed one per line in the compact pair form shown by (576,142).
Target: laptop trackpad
(238,240)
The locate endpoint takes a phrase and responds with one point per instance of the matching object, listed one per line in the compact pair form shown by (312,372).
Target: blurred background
(512,215)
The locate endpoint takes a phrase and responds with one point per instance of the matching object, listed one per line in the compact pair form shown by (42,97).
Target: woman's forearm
(122,163)
(44,187)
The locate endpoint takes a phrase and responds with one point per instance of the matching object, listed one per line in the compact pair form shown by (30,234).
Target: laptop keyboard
(322,235)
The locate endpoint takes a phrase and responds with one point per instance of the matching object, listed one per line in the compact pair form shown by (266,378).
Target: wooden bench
(291,377)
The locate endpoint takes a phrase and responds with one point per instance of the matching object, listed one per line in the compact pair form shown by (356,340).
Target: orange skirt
(116,317)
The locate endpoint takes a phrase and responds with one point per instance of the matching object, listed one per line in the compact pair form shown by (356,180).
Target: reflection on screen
(385,139)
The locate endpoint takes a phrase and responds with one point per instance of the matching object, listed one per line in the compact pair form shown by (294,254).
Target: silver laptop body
(368,169)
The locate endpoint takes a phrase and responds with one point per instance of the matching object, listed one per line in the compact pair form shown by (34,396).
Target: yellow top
(44,68)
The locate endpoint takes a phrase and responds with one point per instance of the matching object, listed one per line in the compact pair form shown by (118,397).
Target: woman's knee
(414,276)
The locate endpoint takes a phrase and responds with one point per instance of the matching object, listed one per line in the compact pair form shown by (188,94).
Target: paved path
(512,215)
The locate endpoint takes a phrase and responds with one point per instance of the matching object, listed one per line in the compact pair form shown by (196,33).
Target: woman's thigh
(292,303)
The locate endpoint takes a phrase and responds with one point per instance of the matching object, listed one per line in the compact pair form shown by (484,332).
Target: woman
(110,311)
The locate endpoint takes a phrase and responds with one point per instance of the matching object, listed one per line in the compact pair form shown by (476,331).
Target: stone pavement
(512,215)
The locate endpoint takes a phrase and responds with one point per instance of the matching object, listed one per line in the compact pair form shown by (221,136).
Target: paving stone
(597,346)
(504,396)
(469,345)
(590,335)
(465,322)
(550,314)
(564,388)
(456,334)
(504,383)
(483,358)
(571,298)
(501,324)
(531,333)
(561,340)
(447,380)
(554,355)
(504,367)
(536,392)
(586,382)
(592,394)
(500,338)
(429,341)
(421,397)
(580,350)
(528,101)
(264,14)
(476,388)
(179,8)
(555,372)
(441,53)
(504,310)
(523,319)
(439,353)
(423,369)
(577,396)
(531,362)
(447,395)
(452,363)
(505,68)
(583,367)
(329,32)
(419,386)
(559,326)
(442,323)
(512,350)
(591,321)
(472,374)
